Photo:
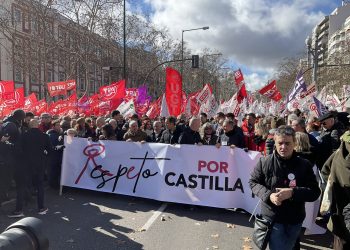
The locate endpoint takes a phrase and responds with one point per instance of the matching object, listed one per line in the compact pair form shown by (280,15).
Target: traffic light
(195,61)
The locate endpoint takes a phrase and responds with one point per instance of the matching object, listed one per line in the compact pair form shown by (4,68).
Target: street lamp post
(182,45)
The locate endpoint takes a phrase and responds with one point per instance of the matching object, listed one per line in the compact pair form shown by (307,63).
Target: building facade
(38,45)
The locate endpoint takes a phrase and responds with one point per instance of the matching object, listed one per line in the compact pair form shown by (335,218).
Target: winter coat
(135,137)
(213,140)
(189,136)
(233,137)
(170,137)
(273,172)
(330,141)
(338,168)
(36,148)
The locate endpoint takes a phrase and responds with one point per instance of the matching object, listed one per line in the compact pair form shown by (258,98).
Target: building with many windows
(329,35)
(38,45)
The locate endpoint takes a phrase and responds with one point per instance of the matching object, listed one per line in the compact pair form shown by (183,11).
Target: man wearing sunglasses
(330,135)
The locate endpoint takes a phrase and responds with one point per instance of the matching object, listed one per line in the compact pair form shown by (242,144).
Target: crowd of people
(31,149)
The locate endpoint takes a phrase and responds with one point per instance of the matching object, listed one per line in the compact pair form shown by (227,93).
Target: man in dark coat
(12,129)
(330,137)
(56,138)
(35,156)
(337,168)
(172,133)
(191,135)
(284,182)
(233,135)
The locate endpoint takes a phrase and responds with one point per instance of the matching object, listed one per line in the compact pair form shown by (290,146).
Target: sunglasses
(323,123)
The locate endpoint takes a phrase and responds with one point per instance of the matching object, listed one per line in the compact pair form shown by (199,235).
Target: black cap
(325,116)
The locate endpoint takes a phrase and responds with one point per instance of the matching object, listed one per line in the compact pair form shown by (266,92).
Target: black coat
(189,136)
(36,147)
(155,138)
(274,172)
(233,137)
(330,142)
(170,137)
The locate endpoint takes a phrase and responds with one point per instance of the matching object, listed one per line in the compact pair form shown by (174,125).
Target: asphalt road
(82,219)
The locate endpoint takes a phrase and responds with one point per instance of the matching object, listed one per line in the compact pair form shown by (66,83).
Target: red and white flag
(29,102)
(15,100)
(271,91)
(204,95)
(57,88)
(7,89)
(71,84)
(173,91)
(113,92)
(154,108)
(238,77)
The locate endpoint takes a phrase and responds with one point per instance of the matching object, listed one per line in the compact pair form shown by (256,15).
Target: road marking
(154,217)
(7,202)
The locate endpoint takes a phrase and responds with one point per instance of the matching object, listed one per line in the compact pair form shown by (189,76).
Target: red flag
(271,91)
(7,88)
(57,88)
(238,77)
(242,93)
(173,91)
(29,102)
(113,91)
(14,101)
(73,97)
(71,84)
(40,107)
(55,107)
(154,108)
(83,104)
(131,93)
(141,109)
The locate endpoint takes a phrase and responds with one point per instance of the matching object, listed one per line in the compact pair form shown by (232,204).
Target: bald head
(33,123)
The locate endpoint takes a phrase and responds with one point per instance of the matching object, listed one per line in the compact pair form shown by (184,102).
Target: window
(18,75)
(82,84)
(61,76)
(49,76)
(26,23)
(17,16)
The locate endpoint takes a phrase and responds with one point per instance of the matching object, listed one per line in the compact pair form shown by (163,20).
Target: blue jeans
(284,236)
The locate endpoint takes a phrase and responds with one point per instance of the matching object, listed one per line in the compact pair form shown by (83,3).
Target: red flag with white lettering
(40,107)
(112,92)
(14,101)
(7,89)
(71,84)
(173,91)
(57,88)
(29,102)
(154,108)
(271,91)
(238,77)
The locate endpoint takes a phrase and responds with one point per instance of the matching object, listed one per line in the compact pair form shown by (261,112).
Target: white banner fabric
(198,175)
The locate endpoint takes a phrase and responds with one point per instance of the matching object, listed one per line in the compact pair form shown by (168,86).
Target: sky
(253,35)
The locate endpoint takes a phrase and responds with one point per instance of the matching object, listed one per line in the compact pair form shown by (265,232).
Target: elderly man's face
(196,125)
